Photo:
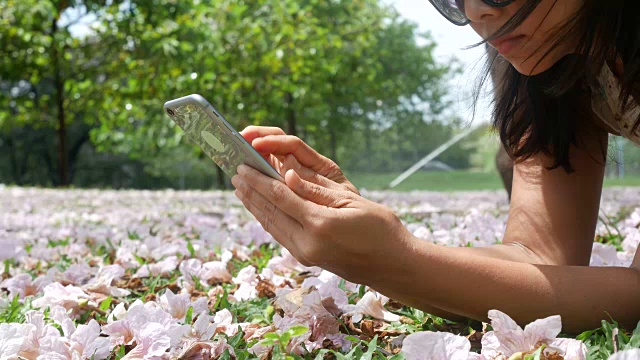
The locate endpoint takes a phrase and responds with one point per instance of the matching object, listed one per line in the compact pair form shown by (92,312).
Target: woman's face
(527,44)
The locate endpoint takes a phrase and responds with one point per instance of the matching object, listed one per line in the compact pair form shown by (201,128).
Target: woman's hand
(334,229)
(286,152)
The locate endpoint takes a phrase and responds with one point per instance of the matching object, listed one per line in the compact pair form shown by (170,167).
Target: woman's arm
(552,221)
(470,285)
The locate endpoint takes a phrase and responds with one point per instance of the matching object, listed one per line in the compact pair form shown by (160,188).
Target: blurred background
(374,85)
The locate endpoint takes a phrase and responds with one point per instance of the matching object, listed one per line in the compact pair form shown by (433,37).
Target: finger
(274,191)
(290,162)
(277,162)
(288,144)
(288,235)
(316,193)
(252,132)
(282,227)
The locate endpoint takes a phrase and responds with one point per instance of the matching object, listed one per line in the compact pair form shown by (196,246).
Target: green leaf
(373,345)
(297,330)
(271,335)
(106,303)
(397,356)
(267,342)
(188,318)
(536,355)
(237,339)
(120,354)
(284,339)
(192,251)
(352,339)
(139,259)
(226,355)
(222,302)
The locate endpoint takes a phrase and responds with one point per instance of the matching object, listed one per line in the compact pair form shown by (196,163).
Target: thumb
(316,193)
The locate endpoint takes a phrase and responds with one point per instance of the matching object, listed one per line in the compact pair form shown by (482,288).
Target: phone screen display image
(210,137)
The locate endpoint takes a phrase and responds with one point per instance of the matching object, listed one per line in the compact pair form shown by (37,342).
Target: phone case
(205,127)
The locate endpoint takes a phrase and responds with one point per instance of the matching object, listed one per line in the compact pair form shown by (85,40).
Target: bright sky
(450,40)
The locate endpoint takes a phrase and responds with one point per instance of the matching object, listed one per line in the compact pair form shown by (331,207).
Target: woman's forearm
(511,252)
(458,281)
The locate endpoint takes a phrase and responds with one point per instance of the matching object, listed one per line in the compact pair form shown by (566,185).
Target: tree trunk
(291,115)
(74,152)
(367,135)
(15,172)
(221,184)
(333,143)
(62,132)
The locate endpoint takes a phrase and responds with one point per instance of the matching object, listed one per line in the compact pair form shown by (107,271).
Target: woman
(565,64)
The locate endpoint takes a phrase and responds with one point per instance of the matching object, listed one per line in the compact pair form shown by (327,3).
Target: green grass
(458,180)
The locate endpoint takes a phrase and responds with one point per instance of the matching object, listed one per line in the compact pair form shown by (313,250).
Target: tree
(325,71)
(46,70)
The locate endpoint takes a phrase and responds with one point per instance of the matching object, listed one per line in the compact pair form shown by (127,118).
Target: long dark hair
(544,113)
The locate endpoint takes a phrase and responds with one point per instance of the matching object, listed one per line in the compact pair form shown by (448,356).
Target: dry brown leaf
(394,304)
(293,298)
(266,289)
(368,328)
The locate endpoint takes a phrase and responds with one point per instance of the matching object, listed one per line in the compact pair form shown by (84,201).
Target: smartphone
(207,128)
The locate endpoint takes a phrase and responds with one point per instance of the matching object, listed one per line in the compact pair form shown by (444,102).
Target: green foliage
(330,72)
(15,311)
(281,341)
(610,338)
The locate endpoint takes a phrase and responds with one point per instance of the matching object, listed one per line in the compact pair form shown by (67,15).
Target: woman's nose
(479,11)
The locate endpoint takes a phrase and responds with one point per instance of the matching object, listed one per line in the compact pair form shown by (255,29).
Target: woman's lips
(505,44)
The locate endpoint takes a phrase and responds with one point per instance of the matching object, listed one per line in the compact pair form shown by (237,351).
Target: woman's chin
(533,66)
(529,68)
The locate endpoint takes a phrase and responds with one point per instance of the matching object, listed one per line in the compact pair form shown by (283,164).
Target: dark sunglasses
(453,10)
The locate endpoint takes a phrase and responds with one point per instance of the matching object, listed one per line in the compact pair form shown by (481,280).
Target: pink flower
(12,337)
(308,311)
(286,264)
(178,305)
(151,341)
(77,274)
(247,279)
(204,350)
(102,283)
(372,304)
(224,321)
(632,354)
(194,269)
(507,338)
(23,285)
(162,267)
(86,343)
(335,300)
(125,258)
(427,345)
(126,326)
(605,255)
(203,328)
(39,336)
(69,297)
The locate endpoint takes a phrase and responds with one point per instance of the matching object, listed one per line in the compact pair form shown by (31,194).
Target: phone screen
(204,127)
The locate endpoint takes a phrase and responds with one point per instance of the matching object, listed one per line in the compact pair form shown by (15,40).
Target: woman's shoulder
(607,106)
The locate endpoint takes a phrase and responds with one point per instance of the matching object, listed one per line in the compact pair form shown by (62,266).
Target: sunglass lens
(452,10)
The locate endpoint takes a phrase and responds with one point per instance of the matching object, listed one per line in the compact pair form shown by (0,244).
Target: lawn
(457,180)
(105,274)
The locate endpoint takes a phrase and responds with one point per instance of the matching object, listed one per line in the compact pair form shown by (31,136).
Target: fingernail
(237,182)
(238,194)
